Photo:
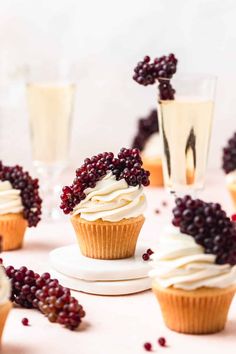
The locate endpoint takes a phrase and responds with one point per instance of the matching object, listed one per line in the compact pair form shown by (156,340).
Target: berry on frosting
(229,155)
(29,188)
(161,69)
(127,165)
(209,225)
(146,127)
(30,290)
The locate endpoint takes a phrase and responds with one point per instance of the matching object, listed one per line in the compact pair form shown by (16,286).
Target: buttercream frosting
(111,200)
(10,199)
(180,262)
(5,286)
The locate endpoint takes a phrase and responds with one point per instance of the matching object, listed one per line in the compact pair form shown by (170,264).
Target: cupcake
(106,202)
(148,141)
(20,205)
(5,304)
(229,166)
(194,268)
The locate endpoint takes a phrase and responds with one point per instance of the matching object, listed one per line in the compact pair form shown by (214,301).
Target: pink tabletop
(113,324)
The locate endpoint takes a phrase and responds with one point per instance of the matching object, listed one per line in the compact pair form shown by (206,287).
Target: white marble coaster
(104,287)
(69,261)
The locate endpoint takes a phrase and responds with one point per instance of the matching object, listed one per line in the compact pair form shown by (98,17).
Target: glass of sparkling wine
(50,98)
(185,126)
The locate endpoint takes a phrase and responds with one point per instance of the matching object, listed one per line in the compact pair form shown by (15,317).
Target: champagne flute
(185,127)
(50,97)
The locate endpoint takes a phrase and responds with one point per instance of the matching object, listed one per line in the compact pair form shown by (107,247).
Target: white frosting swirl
(5,287)
(10,199)
(180,262)
(231,177)
(153,147)
(111,200)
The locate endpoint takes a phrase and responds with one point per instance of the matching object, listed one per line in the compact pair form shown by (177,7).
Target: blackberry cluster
(229,155)
(30,290)
(127,165)
(146,127)
(161,69)
(209,225)
(29,188)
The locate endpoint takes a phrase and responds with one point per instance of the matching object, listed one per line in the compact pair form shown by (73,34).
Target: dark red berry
(25,321)
(146,127)
(209,225)
(147,346)
(127,165)
(229,155)
(29,188)
(162,341)
(161,69)
(149,251)
(145,256)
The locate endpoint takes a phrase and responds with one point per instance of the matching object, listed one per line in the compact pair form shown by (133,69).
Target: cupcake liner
(154,166)
(200,311)
(232,191)
(12,230)
(107,240)
(4,310)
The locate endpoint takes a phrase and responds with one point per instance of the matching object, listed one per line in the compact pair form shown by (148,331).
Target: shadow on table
(32,245)
(8,348)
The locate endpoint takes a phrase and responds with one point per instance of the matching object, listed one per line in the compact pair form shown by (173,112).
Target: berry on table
(209,225)
(149,251)
(145,256)
(127,165)
(25,321)
(162,341)
(30,290)
(147,346)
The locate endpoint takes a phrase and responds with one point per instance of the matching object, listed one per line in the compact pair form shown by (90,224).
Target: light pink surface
(113,325)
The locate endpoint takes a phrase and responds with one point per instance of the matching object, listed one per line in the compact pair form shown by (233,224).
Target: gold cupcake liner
(107,240)
(4,310)
(232,191)
(154,166)
(12,230)
(200,311)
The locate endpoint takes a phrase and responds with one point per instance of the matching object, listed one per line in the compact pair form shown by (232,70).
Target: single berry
(29,191)
(127,165)
(25,321)
(145,256)
(147,346)
(149,251)
(162,341)
(229,155)
(146,127)
(209,225)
